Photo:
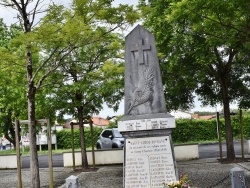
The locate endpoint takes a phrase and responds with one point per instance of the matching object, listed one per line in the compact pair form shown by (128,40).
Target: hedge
(194,130)
(187,130)
(64,137)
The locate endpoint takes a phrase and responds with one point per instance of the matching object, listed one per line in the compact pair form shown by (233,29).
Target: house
(100,122)
(186,115)
(97,122)
(207,117)
(181,115)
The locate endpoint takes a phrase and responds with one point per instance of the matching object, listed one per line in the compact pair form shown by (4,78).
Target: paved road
(43,161)
(205,151)
(212,150)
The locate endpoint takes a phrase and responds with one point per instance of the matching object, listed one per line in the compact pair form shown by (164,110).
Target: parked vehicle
(110,138)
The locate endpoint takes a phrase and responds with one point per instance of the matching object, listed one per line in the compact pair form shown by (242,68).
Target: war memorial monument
(148,153)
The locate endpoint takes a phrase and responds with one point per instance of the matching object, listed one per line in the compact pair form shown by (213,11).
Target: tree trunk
(229,133)
(83,145)
(8,130)
(34,167)
(78,99)
(25,14)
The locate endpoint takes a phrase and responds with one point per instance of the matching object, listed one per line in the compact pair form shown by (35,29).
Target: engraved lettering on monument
(143,85)
(149,162)
(146,124)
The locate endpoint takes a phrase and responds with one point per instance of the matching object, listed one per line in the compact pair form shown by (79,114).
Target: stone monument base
(149,159)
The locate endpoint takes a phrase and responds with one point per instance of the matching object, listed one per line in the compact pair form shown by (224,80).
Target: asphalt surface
(211,150)
(205,151)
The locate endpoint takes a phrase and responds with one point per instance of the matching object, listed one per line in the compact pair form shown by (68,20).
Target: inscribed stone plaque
(149,162)
(146,124)
(143,84)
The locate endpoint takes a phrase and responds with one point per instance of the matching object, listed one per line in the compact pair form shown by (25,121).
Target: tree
(88,87)
(92,71)
(34,80)
(204,47)
(12,103)
(58,41)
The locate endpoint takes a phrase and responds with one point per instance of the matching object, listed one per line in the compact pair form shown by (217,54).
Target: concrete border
(116,156)
(8,161)
(186,152)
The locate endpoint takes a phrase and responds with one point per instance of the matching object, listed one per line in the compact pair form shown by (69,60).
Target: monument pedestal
(148,153)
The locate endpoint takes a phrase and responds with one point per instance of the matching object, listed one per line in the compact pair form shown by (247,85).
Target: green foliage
(112,125)
(91,69)
(12,87)
(203,113)
(206,130)
(187,130)
(194,130)
(64,137)
(204,47)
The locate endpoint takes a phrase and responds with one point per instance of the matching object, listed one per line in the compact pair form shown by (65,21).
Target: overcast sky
(9,15)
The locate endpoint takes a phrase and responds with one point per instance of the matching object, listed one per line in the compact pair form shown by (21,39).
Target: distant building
(195,116)
(100,122)
(207,117)
(181,115)
(97,122)
(186,115)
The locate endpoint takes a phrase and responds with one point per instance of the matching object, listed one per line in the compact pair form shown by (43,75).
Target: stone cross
(140,47)
(143,84)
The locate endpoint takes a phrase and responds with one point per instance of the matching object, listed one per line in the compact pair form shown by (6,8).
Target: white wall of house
(181,115)
(59,127)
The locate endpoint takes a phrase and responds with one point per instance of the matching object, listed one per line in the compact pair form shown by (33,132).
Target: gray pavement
(203,173)
(9,177)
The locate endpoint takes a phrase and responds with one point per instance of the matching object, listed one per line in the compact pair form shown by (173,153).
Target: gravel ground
(203,173)
(9,178)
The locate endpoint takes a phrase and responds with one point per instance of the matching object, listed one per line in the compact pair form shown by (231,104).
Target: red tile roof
(207,117)
(98,121)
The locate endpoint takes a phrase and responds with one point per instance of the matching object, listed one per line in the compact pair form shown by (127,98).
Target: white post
(72,182)
(237,178)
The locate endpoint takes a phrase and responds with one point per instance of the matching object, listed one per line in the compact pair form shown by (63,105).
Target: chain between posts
(219,182)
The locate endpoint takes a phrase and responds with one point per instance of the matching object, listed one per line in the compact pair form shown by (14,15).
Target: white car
(110,138)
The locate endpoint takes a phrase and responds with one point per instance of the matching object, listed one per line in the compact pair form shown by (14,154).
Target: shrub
(187,130)
(64,137)
(194,130)
(204,130)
